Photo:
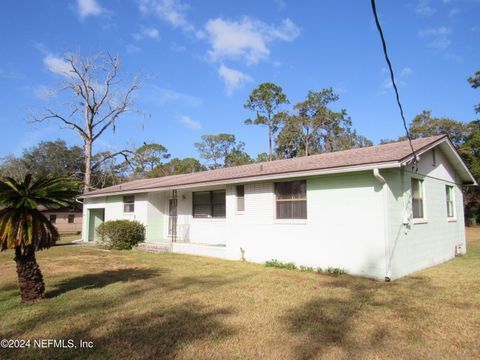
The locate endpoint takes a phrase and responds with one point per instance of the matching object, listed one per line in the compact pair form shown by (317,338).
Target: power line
(392,78)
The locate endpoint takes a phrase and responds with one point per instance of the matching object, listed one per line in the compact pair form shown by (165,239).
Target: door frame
(172,218)
(93,215)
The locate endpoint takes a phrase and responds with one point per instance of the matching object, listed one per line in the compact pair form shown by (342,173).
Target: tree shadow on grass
(102,279)
(161,334)
(158,333)
(108,277)
(332,321)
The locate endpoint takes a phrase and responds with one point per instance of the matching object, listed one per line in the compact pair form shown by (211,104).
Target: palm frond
(21,223)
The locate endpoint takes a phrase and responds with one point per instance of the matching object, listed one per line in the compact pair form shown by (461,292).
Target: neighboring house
(66,220)
(370,211)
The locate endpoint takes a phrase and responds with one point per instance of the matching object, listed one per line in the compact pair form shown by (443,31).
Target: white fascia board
(347,169)
(453,150)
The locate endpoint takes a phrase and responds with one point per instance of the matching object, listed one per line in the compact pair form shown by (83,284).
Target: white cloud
(163,96)
(57,65)
(454,12)
(232,78)
(406,71)
(246,39)
(401,79)
(170,11)
(43,92)
(152,33)
(437,37)
(190,123)
(87,8)
(132,49)
(423,8)
(146,32)
(177,47)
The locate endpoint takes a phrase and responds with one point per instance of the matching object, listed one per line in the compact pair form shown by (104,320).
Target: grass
(138,305)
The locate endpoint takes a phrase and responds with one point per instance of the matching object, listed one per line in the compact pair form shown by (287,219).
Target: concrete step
(155,247)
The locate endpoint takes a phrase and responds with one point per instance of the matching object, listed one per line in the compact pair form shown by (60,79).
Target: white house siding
(344,226)
(113,206)
(415,246)
(195,230)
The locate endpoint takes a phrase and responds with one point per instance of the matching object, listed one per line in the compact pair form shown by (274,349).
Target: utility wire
(392,78)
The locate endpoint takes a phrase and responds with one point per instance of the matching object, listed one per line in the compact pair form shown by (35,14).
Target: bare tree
(97,98)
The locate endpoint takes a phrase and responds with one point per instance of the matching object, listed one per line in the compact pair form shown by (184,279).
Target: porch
(176,221)
(211,250)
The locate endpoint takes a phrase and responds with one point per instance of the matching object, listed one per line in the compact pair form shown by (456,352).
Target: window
(291,199)
(53,218)
(417,198)
(450,202)
(71,219)
(240,198)
(129,204)
(209,204)
(434,157)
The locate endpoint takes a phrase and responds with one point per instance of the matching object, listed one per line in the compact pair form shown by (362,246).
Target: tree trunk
(88,166)
(269,143)
(307,143)
(30,278)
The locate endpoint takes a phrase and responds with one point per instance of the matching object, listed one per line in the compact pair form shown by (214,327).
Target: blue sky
(201,59)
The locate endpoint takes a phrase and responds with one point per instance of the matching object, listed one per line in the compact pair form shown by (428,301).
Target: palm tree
(25,229)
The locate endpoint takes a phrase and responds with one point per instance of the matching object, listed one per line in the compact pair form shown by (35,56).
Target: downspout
(385,187)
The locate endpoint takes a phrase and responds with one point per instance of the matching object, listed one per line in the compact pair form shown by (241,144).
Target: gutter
(386,225)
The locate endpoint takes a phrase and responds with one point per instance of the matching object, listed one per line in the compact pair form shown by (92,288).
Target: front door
(172,218)
(95,218)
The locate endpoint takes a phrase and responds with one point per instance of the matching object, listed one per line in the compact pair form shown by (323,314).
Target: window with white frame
(129,204)
(240,192)
(291,199)
(450,201)
(417,199)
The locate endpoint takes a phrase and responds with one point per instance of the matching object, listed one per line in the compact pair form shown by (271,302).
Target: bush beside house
(121,234)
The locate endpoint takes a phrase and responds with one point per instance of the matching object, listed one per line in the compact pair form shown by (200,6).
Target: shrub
(306,268)
(280,265)
(335,271)
(121,234)
(291,266)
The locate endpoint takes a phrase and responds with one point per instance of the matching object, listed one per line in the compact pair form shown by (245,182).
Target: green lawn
(137,305)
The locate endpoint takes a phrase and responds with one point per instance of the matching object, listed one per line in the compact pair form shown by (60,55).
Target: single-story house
(66,220)
(374,211)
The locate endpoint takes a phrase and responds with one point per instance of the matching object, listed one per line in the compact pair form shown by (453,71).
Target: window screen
(209,204)
(450,202)
(417,199)
(240,198)
(129,204)
(291,200)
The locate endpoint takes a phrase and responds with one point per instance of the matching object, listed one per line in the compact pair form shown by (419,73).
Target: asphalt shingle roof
(397,151)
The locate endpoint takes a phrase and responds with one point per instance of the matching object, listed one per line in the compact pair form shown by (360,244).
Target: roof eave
(471,179)
(285,175)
